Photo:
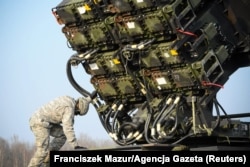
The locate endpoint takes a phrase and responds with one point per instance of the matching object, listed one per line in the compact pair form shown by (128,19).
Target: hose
(146,128)
(71,79)
(169,111)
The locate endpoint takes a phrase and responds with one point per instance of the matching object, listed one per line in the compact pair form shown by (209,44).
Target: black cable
(71,79)
(176,120)
(169,111)
(223,110)
(218,114)
(146,128)
(106,121)
(157,119)
(160,113)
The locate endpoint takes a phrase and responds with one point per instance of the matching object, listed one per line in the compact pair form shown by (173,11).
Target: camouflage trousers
(43,145)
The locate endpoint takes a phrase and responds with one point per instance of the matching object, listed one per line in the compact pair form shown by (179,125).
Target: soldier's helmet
(83,105)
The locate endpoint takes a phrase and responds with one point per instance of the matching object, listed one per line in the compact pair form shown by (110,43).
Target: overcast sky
(33,71)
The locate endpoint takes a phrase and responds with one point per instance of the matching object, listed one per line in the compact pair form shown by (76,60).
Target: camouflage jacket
(58,111)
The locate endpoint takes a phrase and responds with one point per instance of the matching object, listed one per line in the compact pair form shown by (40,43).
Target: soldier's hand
(80,147)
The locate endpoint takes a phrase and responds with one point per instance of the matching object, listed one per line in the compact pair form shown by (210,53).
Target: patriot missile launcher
(157,65)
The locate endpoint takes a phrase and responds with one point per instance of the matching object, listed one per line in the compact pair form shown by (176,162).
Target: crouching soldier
(56,119)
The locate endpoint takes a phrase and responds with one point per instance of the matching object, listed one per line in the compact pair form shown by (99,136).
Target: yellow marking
(86,6)
(174,52)
(116,61)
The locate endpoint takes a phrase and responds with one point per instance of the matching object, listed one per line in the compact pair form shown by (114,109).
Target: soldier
(56,119)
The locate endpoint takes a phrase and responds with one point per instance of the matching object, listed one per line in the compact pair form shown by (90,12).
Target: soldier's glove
(80,147)
(88,99)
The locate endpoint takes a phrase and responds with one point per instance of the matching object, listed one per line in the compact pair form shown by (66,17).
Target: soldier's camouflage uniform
(54,119)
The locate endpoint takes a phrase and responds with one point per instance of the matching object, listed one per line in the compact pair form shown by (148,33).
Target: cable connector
(153,132)
(169,101)
(120,107)
(177,100)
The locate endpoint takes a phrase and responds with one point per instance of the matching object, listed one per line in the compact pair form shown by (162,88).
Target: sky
(33,71)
